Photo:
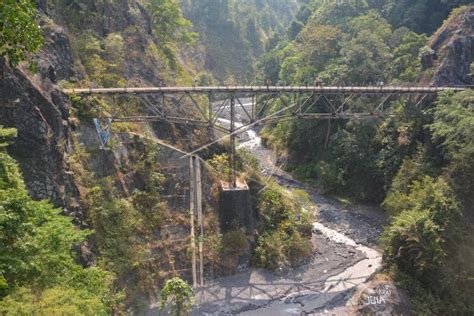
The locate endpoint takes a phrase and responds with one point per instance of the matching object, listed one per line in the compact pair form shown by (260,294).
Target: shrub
(221,164)
(419,239)
(178,295)
(84,109)
(298,249)
(270,250)
(273,208)
(37,266)
(286,222)
(234,242)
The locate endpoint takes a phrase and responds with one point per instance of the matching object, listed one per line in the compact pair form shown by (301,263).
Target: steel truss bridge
(203,106)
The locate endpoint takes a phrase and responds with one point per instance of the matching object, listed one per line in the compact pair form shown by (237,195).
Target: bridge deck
(269,89)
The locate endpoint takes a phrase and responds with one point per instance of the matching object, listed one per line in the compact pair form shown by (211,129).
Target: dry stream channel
(345,256)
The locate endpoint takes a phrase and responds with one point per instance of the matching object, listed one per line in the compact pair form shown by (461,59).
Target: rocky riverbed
(345,257)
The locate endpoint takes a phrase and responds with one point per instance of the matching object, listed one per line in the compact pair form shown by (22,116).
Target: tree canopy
(19,32)
(38,271)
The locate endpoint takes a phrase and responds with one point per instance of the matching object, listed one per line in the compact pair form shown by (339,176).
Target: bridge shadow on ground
(275,295)
(302,288)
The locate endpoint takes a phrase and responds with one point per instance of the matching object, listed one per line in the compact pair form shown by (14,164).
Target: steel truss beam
(203,106)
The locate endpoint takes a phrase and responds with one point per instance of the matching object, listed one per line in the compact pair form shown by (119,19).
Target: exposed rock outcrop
(453,46)
(41,118)
(34,104)
(381,297)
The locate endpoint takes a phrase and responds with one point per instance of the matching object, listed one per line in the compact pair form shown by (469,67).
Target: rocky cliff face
(40,112)
(453,51)
(41,117)
(34,105)
(59,154)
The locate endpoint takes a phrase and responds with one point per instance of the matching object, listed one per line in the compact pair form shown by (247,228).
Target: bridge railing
(267,89)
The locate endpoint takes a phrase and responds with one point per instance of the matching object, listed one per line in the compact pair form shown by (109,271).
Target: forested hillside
(111,210)
(234,34)
(106,211)
(414,162)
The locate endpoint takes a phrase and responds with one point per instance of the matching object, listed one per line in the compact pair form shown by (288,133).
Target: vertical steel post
(163,111)
(211,118)
(232,180)
(299,103)
(192,197)
(254,106)
(197,171)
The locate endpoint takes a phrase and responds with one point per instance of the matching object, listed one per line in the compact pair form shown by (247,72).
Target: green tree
(36,255)
(168,21)
(406,63)
(6,136)
(453,129)
(419,237)
(178,296)
(19,32)
(350,167)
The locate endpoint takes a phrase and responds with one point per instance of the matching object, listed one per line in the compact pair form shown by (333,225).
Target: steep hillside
(417,163)
(115,47)
(131,198)
(421,16)
(234,34)
(124,43)
(449,62)
(119,192)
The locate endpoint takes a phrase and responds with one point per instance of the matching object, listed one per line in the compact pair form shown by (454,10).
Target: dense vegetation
(429,245)
(360,47)
(417,163)
(234,33)
(284,218)
(286,225)
(19,32)
(38,271)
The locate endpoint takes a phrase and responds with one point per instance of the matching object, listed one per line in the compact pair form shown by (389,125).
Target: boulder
(381,297)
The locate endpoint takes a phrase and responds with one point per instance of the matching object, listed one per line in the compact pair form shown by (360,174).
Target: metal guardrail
(270,89)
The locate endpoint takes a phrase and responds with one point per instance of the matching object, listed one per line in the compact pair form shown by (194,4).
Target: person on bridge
(318,82)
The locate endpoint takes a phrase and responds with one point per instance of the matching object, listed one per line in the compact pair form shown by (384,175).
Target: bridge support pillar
(235,210)
(232,179)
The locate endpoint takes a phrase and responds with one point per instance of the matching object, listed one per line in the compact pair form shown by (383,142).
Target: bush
(84,109)
(420,238)
(411,170)
(178,295)
(285,227)
(37,266)
(221,164)
(298,248)
(273,208)
(270,250)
